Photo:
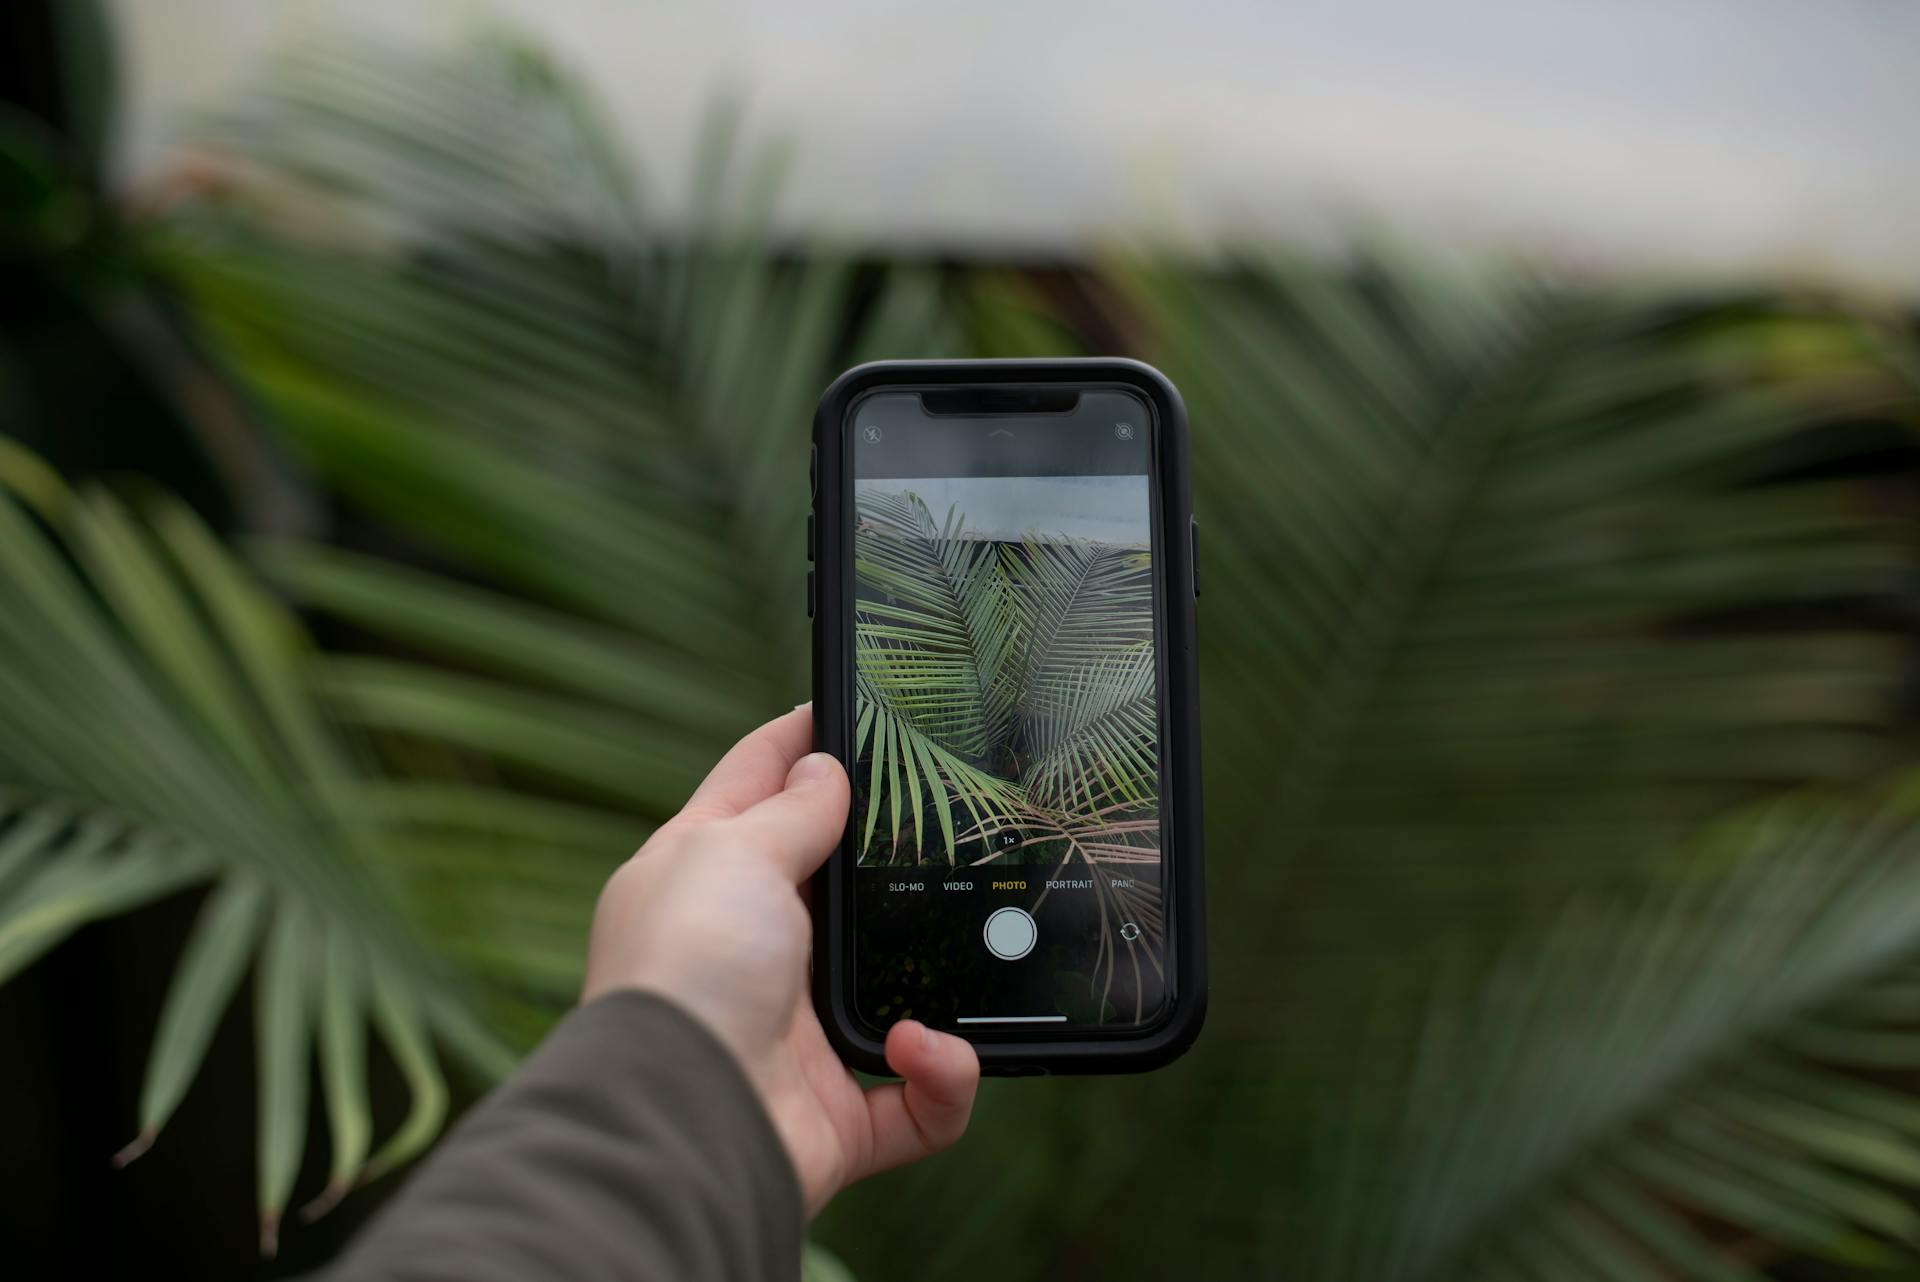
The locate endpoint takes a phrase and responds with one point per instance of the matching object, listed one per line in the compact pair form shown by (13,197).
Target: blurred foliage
(1565,880)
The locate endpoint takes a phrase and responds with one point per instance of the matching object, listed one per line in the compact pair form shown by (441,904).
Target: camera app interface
(1006,770)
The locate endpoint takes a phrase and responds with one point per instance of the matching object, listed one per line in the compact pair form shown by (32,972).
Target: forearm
(629,1146)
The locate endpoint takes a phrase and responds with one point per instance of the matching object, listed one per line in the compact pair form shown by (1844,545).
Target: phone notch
(947,402)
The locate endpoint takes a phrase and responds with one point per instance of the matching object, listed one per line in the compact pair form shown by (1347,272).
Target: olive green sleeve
(629,1146)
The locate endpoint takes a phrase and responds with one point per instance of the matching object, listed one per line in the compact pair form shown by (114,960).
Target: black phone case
(830,589)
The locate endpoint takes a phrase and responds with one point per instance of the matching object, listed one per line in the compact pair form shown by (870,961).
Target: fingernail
(926,1038)
(815,765)
(801,707)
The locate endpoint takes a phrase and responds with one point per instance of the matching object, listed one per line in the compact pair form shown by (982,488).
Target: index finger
(753,769)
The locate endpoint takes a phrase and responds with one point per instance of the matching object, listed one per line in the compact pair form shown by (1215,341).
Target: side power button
(1195,541)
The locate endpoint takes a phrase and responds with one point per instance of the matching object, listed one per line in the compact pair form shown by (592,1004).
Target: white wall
(1688,136)
(1112,509)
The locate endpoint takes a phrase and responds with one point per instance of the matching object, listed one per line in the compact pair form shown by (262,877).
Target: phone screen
(1006,771)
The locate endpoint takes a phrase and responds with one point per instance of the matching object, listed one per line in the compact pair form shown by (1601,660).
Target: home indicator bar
(1011,1019)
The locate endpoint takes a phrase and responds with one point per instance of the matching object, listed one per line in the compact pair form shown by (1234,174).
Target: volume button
(810,544)
(809,594)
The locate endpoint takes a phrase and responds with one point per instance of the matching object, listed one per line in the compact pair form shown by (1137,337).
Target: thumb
(799,826)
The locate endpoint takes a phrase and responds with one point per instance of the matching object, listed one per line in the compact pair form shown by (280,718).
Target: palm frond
(1700,1064)
(155,733)
(901,764)
(1083,601)
(937,622)
(937,628)
(64,865)
(980,663)
(1087,674)
(596,420)
(1503,564)
(1094,735)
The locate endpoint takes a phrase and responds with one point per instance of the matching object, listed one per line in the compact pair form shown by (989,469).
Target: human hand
(709,915)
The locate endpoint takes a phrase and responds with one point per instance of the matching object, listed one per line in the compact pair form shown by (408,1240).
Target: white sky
(1113,509)
(1695,137)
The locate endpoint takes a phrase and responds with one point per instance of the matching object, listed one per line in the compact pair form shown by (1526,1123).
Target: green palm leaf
(1691,1059)
(1089,689)
(937,629)
(1501,563)
(155,733)
(1094,734)
(978,662)
(600,424)
(938,622)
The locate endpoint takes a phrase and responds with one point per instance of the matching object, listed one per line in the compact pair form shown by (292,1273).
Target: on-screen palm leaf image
(1012,683)
(1006,710)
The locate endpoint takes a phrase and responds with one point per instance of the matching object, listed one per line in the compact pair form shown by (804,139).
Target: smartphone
(1002,593)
